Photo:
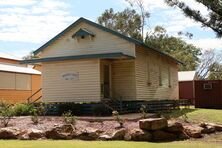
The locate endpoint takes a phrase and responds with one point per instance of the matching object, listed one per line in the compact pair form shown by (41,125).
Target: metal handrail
(33,95)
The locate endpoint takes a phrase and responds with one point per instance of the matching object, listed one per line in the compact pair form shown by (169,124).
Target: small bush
(117,118)
(101,110)
(69,118)
(23,109)
(35,118)
(6,112)
(143,111)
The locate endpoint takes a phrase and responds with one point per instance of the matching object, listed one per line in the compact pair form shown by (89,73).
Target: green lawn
(197,115)
(99,144)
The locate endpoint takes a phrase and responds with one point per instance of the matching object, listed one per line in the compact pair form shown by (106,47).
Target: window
(169,77)
(148,70)
(14,81)
(207,86)
(7,80)
(23,82)
(160,74)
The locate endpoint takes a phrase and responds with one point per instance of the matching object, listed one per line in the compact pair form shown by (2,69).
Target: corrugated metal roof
(18,69)
(186,75)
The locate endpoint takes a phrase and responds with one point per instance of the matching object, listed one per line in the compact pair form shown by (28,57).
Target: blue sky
(27,24)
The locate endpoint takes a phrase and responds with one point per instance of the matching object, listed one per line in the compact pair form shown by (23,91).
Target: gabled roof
(83,32)
(80,20)
(186,75)
(18,69)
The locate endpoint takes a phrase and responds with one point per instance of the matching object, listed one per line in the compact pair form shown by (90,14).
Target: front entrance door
(107,84)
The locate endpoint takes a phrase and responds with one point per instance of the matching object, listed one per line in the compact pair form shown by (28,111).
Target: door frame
(107,63)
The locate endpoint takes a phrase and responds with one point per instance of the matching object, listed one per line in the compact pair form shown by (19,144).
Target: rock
(159,135)
(208,130)
(61,132)
(35,134)
(105,137)
(183,136)
(9,133)
(174,127)
(193,131)
(88,134)
(138,135)
(24,137)
(217,127)
(153,124)
(118,135)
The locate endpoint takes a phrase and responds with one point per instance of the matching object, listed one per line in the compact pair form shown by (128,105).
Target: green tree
(176,47)
(210,65)
(127,22)
(144,14)
(30,56)
(215,72)
(214,18)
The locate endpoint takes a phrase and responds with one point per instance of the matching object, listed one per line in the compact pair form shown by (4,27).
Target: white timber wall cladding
(71,81)
(161,82)
(123,79)
(103,42)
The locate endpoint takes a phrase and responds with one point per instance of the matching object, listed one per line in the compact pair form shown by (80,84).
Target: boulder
(183,136)
(217,127)
(34,134)
(208,130)
(160,135)
(88,134)
(9,133)
(174,127)
(138,135)
(153,124)
(193,131)
(61,132)
(105,137)
(119,134)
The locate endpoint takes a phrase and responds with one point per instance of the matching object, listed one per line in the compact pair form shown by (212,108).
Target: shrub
(143,111)
(35,118)
(6,112)
(117,118)
(41,111)
(101,110)
(23,109)
(69,118)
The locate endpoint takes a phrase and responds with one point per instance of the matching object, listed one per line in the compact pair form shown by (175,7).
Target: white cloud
(17,2)
(207,43)
(37,23)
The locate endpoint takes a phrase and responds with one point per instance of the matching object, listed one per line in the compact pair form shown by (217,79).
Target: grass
(100,144)
(200,115)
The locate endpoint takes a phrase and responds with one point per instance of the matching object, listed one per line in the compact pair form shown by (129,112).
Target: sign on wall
(71,76)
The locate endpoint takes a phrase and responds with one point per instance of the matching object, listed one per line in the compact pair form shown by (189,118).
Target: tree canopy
(214,18)
(176,47)
(127,22)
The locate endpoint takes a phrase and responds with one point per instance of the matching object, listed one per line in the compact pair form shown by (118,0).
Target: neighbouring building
(186,85)
(202,93)
(88,63)
(17,81)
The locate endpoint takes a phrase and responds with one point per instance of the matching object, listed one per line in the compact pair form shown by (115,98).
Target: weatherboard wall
(17,87)
(71,81)
(148,77)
